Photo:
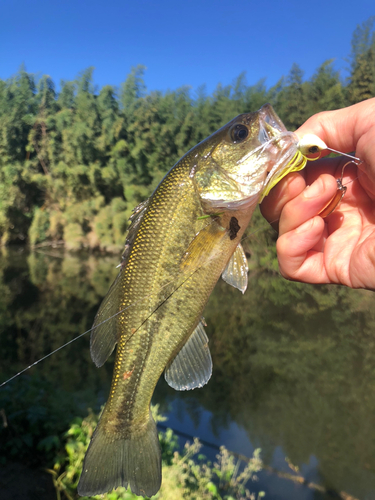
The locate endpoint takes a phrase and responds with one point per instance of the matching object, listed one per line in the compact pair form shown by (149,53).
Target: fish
(179,242)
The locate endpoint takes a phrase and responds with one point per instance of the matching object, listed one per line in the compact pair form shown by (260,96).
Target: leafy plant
(186,475)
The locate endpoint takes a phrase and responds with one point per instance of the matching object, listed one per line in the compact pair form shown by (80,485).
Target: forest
(74,163)
(293,363)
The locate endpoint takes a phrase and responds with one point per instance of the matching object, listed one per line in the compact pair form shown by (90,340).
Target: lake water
(294,369)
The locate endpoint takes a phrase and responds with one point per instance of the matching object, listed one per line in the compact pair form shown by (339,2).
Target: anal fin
(192,367)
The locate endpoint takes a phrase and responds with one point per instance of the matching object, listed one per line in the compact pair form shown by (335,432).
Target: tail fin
(111,462)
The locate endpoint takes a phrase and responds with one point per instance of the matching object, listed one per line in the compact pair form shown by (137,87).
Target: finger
(297,260)
(348,129)
(366,151)
(308,203)
(341,129)
(287,189)
(342,169)
(332,166)
(293,184)
(368,185)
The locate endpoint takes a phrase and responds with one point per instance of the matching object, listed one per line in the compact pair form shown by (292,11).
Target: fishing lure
(312,144)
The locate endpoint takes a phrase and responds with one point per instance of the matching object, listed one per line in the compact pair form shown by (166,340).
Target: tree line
(74,163)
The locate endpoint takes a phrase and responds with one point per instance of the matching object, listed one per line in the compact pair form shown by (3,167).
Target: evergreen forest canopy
(74,164)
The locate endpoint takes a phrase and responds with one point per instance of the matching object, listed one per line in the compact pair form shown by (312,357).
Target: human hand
(340,248)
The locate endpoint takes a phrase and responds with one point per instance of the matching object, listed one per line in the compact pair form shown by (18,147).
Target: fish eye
(239,133)
(313,149)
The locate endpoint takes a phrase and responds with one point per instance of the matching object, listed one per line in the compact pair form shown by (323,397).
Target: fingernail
(314,190)
(306,226)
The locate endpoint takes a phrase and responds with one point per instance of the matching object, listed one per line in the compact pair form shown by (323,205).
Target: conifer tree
(324,91)
(291,99)
(362,78)
(73,164)
(133,88)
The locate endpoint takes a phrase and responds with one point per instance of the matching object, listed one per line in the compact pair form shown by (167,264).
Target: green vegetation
(183,476)
(37,436)
(293,364)
(44,294)
(73,164)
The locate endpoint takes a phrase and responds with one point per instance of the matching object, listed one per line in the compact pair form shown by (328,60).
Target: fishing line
(108,319)
(44,357)
(81,335)
(164,300)
(140,301)
(355,178)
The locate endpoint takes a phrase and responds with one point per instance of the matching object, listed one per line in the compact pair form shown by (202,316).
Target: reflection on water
(294,366)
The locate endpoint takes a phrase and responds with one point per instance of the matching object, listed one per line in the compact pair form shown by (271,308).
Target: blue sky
(191,43)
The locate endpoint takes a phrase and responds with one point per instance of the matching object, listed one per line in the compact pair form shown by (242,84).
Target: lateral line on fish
(164,301)
(137,302)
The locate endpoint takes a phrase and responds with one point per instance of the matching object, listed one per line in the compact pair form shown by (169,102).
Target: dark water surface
(294,370)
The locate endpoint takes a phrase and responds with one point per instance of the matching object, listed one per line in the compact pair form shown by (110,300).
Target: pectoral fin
(235,273)
(204,246)
(192,367)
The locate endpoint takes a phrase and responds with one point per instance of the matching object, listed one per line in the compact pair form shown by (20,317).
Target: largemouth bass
(179,243)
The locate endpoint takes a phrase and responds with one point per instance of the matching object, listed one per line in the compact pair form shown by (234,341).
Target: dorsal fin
(138,211)
(135,220)
(192,367)
(104,335)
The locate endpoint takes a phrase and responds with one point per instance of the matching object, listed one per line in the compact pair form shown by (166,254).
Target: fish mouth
(272,154)
(281,146)
(291,161)
(270,125)
(275,156)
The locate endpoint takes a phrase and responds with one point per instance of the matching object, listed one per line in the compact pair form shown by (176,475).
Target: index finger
(293,184)
(348,129)
(288,188)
